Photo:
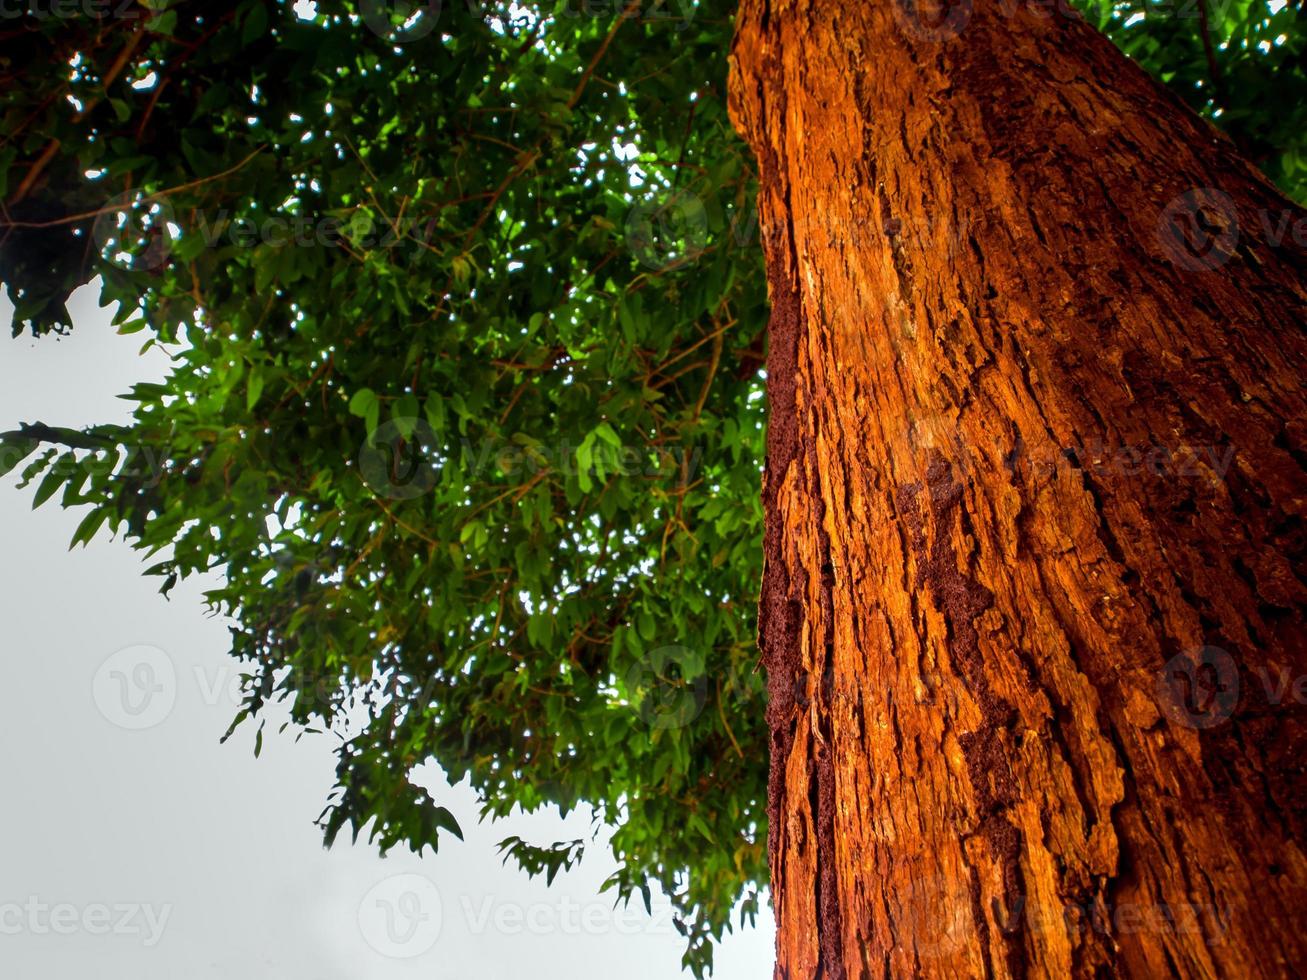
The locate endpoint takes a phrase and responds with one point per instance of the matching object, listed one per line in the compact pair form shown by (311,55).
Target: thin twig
(51,148)
(85,215)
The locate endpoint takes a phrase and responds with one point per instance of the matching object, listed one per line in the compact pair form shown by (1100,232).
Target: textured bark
(1034,451)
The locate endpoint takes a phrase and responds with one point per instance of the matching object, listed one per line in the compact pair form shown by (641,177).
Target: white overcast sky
(158,854)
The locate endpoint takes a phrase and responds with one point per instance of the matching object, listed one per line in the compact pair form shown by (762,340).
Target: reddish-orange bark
(1036,430)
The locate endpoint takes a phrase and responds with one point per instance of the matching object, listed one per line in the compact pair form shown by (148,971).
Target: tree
(1035,441)
(468,319)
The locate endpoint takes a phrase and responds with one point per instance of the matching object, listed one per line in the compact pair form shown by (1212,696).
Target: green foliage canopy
(465,310)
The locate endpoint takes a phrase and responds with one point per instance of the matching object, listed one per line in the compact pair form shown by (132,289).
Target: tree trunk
(1033,612)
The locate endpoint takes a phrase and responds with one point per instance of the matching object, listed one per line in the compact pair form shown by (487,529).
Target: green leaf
(254,389)
(13,450)
(255,23)
(363,403)
(606,433)
(446,821)
(405,414)
(91,523)
(584,465)
(165,23)
(696,823)
(54,479)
